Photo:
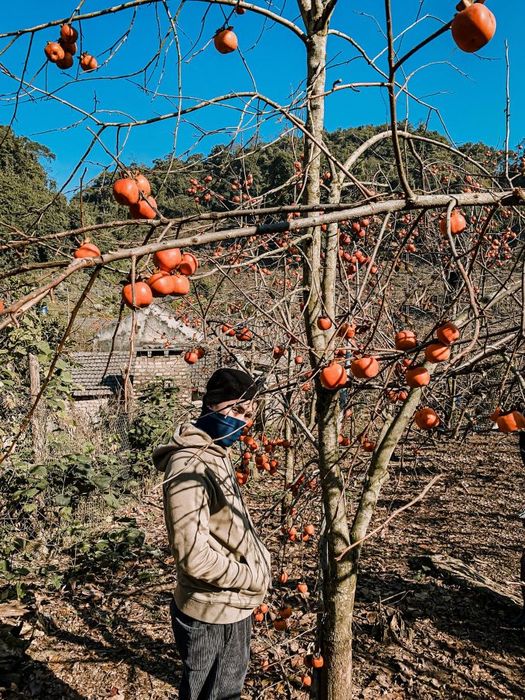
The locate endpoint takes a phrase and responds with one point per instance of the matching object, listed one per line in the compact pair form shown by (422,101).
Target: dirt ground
(417,633)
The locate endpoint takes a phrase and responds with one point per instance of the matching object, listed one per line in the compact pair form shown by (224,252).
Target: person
(223,568)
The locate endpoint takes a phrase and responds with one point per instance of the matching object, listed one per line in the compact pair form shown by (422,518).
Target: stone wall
(172,368)
(89,409)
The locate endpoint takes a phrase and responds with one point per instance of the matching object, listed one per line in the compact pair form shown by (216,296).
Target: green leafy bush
(154,419)
(108,549)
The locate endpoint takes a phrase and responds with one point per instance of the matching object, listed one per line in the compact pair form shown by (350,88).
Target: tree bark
(338,582)
(336,619)
(289,455)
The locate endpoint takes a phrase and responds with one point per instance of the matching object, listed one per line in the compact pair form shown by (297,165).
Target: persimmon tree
(382,279)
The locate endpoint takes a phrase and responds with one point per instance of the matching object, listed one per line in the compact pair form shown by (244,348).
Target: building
(156,352)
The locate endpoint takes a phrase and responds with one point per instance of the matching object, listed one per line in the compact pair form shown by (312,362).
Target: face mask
(224,430)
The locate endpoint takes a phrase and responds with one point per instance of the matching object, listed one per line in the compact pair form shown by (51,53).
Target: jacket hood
(186,435)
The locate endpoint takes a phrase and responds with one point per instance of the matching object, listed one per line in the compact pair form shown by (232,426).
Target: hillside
(418,634)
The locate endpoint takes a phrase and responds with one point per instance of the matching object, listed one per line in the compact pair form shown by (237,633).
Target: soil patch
(418,634)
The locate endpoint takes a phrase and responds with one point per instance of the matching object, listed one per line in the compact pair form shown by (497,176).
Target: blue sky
(468,90)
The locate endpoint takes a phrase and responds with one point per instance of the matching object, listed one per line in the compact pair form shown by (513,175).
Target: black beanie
(226,384)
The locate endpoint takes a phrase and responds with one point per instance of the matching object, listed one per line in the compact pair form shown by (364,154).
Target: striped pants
(215,657)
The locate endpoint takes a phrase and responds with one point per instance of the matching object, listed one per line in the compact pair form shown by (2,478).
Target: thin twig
(392,516)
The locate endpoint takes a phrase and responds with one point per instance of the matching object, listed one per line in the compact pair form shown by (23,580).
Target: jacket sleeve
(187,520)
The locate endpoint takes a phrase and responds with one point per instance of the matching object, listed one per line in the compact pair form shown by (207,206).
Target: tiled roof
(93,376)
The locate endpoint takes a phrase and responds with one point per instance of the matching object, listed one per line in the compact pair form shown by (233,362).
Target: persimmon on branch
(139,3)
(337,297)
(510,198)
(254,211)
(184,111)
(285,111)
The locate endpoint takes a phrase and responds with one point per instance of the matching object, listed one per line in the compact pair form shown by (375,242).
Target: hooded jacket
(223,568)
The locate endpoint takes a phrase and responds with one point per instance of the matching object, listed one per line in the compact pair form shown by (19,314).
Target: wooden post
(128,384)
(38,427)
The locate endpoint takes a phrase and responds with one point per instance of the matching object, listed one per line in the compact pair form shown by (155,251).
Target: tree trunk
(338,581)
(38,428)
(289,455)
(336,619)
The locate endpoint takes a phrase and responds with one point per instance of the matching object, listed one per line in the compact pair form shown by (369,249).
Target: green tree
(29,201)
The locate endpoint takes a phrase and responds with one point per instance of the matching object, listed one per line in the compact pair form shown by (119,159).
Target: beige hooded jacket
(223,568)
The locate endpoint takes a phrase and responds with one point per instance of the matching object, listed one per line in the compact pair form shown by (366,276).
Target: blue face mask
(224,430)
